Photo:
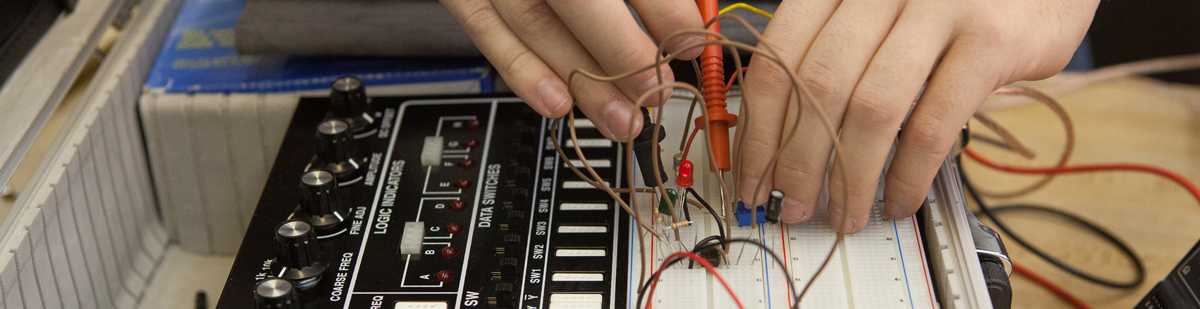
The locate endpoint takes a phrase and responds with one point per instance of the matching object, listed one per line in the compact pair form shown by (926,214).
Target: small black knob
(296,245)
(298,255)
(336,151)
(348,100)
(275,293)
(319,201)
(347,96)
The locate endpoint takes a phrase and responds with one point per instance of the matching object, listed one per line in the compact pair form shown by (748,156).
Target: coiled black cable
(991,212)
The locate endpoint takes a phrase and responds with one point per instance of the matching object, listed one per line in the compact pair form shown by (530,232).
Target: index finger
(612,36)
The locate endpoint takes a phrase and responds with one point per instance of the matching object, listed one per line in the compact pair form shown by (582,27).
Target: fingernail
(893,213)
(553,96)
(619,118)
(795,211)
(851,226)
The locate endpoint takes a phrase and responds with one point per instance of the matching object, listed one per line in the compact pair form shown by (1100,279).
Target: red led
(466,162)
(473,123)
(462,183)
(444,276)
(684,177)
(457,205)
(448,252)
(471,143)
(454,228)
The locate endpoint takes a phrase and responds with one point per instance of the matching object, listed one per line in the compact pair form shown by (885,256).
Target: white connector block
(421,305)
(410,240)
(431,152)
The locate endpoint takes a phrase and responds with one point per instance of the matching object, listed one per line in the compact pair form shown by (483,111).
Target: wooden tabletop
(1128,120)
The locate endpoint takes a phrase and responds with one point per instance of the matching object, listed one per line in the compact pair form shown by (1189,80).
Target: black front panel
(495,233)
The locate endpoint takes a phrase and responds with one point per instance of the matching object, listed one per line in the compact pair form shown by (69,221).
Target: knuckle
(536,14)
(631,54)
(817,77)
(874,108)
(992,32)
(928,141)
(480,18)
(756,143)
(523,59)
(767,77)
(795,171)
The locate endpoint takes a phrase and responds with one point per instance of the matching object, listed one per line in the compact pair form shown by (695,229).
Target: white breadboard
(883,266)
(84,233)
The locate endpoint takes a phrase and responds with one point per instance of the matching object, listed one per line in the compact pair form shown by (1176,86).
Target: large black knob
(275,293)
(319,203)
(348,100)
(336,151)
(297,254)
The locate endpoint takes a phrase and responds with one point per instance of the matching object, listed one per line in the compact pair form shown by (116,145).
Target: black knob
(275,293)
(298,255)
(336,151)
(296,244)
(348,100)
(319,202)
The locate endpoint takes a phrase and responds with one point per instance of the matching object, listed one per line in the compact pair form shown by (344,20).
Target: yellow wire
(744,6)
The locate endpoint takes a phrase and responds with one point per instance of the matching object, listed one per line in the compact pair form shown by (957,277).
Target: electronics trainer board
(480,215)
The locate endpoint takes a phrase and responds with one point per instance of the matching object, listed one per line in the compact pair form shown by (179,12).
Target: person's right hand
(536,44)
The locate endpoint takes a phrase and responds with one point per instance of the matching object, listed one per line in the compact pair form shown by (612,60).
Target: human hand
(536,44)
(865,62)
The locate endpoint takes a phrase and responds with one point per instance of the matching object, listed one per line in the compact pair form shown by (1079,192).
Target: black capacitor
(774,205)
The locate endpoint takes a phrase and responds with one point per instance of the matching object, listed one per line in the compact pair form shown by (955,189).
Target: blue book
(198,56)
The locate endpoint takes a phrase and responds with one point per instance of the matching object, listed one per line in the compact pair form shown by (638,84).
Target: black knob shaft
(336,151)
(319,202)
(348,100)
(298,256)
(348,97)
(334,141)
(319,192)
(296,244)
(275,293)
